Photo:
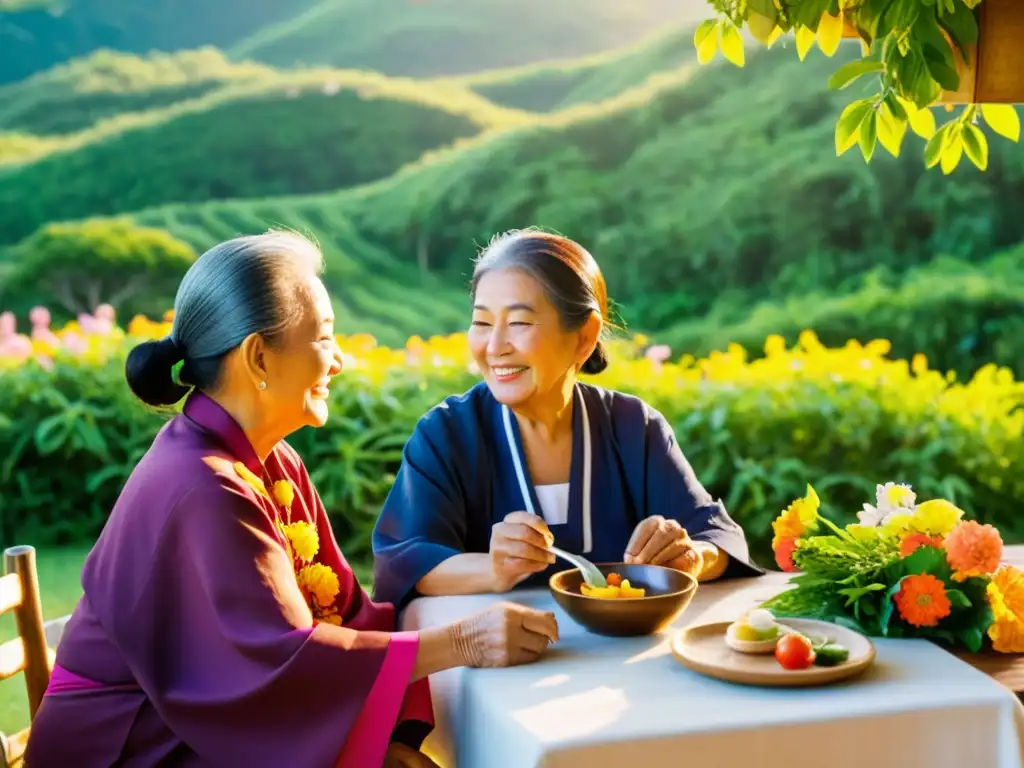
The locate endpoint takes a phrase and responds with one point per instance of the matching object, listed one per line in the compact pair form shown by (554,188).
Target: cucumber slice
(831,655)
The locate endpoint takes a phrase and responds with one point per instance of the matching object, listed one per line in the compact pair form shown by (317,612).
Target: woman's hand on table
(660,541)
(504,635)
(401,756)
(519,548)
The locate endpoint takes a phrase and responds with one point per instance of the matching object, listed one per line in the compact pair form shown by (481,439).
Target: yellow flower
(319,582)
(303,539)
(897,524)
(798,518)
(255,482)
(1006,596)
(936,517)
(897,496)
(284,492)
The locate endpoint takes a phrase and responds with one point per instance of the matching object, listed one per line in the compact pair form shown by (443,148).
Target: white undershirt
(554,502)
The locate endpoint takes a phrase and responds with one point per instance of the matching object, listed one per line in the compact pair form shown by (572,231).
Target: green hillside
(552,87)
(285,134)
(406,37)
(436,37)
(373,291)
(35,40)
(74,96)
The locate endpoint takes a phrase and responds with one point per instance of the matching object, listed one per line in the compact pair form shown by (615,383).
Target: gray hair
(237,288)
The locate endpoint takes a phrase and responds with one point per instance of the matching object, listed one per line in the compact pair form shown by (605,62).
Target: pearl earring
(263,385)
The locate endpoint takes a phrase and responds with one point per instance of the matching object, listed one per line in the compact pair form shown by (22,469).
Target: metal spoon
(591,574)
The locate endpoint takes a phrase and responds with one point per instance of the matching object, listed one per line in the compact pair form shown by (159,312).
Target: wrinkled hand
(505,635)
(402,756)
(519,548)
(658,541)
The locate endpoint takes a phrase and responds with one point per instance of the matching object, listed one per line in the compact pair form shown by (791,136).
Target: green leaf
(922,121)
(807,13)
(850,71)
(889,606)
(961,25)
(972,637)
(976,146)
(950,159)
(853,594)
(1003,119)
(896,109)
(940,69)
(932,155)
(848,126)
(869,135)
(891,131)
(958,599)
(705,40)
(805,39)
(732,43)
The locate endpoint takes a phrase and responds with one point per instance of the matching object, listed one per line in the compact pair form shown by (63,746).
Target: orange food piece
(614,580)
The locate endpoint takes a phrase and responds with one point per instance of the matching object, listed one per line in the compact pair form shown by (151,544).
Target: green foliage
(917,49)
(290,140)
(74,96)
(82,265)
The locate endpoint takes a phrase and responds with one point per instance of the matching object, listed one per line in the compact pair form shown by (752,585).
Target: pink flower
(8,326)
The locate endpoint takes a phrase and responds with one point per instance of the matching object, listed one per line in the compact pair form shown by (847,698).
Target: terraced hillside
(590,80)
(402,37)
(311,131)
(72,97)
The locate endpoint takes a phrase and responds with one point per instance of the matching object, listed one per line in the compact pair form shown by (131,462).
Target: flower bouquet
(903,570)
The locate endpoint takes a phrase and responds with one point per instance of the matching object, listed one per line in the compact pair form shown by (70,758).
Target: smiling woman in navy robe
(531,455)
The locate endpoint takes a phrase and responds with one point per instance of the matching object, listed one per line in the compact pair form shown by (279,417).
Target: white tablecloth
(594,702)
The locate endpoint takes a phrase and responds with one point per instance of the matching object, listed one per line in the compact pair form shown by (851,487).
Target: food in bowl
(617,588)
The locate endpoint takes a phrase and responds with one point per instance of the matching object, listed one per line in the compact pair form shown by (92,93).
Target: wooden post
(29,618)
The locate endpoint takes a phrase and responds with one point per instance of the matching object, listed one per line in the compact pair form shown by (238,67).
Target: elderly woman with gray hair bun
(220,624)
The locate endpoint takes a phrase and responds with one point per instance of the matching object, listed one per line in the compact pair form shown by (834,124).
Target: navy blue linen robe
(459,476)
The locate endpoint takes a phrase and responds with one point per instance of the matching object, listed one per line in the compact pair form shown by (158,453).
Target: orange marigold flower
(914,541)
(973,549)
(784,550)
(922,600)
(1006,596)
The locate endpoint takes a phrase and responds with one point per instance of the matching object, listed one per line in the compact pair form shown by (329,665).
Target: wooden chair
(28,653)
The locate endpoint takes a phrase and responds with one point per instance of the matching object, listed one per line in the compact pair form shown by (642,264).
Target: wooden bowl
(669,592)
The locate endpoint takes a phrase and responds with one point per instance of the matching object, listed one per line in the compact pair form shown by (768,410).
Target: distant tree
(81,265)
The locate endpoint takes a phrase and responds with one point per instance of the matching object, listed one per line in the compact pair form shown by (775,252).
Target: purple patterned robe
(194,644)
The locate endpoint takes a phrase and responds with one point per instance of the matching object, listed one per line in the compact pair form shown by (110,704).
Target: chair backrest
(27,653)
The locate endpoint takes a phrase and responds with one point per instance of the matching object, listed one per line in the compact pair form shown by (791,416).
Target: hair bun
(597,361)
(149,370)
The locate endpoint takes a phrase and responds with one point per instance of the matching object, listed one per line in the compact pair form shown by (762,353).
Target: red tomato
(794,652)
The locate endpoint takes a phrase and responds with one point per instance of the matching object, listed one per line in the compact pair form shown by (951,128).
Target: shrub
(756,431)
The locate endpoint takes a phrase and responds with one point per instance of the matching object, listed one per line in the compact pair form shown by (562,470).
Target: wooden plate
(703,649)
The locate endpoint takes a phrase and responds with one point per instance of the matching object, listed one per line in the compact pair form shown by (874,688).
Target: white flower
(870,517)
(892,496)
